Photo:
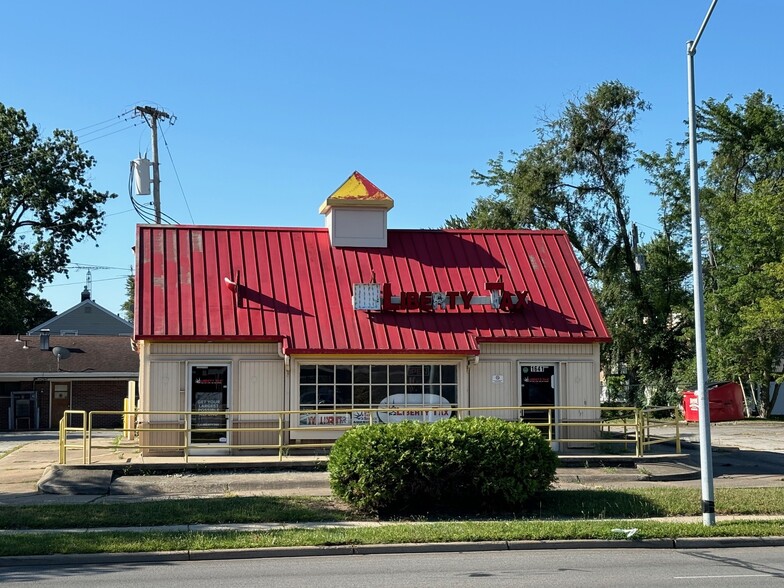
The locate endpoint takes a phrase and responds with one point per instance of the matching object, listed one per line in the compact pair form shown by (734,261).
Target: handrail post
(63,453)
(88,449)
(280,436)
(186,423)
(677,434)
(550,425)
(84,438)
(638,431)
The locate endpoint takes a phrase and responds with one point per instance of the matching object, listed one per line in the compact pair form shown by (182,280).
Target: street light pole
(706,457)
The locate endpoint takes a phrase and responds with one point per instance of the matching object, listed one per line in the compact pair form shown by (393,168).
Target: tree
(47,204)
(743,206)
(573,179)
(20,311)
(130,289)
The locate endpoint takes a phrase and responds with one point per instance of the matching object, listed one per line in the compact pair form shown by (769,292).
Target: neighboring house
(334,323)
(86,318)
(92,373)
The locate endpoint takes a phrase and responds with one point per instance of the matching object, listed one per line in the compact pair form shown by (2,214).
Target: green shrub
(477,464)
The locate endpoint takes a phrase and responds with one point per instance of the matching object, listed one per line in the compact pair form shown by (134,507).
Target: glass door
(209,395)
(537,389)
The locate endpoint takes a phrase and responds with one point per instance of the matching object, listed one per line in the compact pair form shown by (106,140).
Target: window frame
(317,413)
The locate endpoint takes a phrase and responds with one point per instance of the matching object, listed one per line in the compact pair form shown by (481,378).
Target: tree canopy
(47,204)
(574,178)
(744,213)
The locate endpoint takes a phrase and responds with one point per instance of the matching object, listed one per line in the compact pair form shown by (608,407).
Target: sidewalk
(745,454)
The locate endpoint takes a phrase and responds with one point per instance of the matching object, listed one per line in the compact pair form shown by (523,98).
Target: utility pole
(151,115)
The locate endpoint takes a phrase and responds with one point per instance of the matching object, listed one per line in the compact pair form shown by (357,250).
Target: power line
(102,128)
(88,266)
(10,152)
(125,277)
(107,134)
(177,175)
(104,121)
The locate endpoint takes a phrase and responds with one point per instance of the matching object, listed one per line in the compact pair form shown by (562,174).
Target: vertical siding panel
(260,387)
(164,390)
(484,392)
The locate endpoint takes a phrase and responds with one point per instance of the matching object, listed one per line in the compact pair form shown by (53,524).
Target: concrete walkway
(745,454)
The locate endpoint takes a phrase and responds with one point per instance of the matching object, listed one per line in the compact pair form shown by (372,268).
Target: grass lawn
(438,532)
(555,504)
(560,514)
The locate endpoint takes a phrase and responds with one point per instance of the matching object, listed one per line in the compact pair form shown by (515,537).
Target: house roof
(86,318)
(292,286)
(90,356)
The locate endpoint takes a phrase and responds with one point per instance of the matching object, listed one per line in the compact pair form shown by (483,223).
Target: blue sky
(278,102)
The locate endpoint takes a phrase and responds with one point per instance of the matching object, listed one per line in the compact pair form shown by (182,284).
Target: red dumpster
(724,398)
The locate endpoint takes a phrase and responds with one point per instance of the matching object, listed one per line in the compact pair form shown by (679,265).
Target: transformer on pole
(151,115)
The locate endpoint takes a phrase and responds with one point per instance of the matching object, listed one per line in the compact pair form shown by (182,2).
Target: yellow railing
(606,431)
(67,427)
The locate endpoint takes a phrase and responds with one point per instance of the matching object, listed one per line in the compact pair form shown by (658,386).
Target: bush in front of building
(474,464)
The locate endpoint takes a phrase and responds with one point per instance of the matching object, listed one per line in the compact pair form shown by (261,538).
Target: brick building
(42,376)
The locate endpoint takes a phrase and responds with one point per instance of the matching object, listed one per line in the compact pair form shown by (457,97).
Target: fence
(569,429)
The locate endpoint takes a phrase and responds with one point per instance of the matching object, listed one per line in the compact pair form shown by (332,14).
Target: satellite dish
(61,352)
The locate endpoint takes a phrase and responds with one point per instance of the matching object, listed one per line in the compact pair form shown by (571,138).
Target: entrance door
(61,401)
(209,387)
(23,411)
(537,388)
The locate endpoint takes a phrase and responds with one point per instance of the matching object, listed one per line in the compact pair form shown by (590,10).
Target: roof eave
(23,376)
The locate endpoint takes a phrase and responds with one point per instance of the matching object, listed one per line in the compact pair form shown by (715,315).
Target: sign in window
(209,395)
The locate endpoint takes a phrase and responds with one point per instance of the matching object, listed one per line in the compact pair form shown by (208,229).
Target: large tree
(47,204)
(744,213)
(574,179)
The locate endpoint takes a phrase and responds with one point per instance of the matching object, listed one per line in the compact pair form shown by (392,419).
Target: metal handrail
(281,424)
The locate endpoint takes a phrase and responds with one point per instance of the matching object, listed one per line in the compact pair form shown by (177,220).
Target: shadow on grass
(596,504)
(256,509)
(575,504)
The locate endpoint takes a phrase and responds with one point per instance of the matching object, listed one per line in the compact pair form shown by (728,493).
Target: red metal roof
(294,287)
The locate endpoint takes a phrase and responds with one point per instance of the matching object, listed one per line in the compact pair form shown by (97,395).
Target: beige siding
(164,386)
(260,387)
(492,384)
(582,387)
(198,350)
(551,350)
(161,392)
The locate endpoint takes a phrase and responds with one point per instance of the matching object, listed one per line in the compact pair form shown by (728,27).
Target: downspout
(282,347)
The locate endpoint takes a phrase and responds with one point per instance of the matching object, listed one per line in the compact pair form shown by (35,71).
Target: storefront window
(347,389)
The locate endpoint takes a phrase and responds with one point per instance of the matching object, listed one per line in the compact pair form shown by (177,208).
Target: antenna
(89,284)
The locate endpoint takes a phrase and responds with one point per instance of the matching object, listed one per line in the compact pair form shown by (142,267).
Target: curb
(400,548)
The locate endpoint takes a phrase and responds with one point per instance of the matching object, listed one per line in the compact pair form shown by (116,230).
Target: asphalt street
(588,568)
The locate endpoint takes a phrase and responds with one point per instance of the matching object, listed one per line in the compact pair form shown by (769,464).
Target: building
(86,318)
(43,376)
(337,321)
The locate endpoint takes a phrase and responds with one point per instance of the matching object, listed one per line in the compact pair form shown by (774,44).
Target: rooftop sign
(379,297)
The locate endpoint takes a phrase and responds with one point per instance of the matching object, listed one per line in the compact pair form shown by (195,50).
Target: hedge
(476,464)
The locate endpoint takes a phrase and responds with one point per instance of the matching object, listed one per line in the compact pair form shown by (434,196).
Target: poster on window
(209,395)
(426,408)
